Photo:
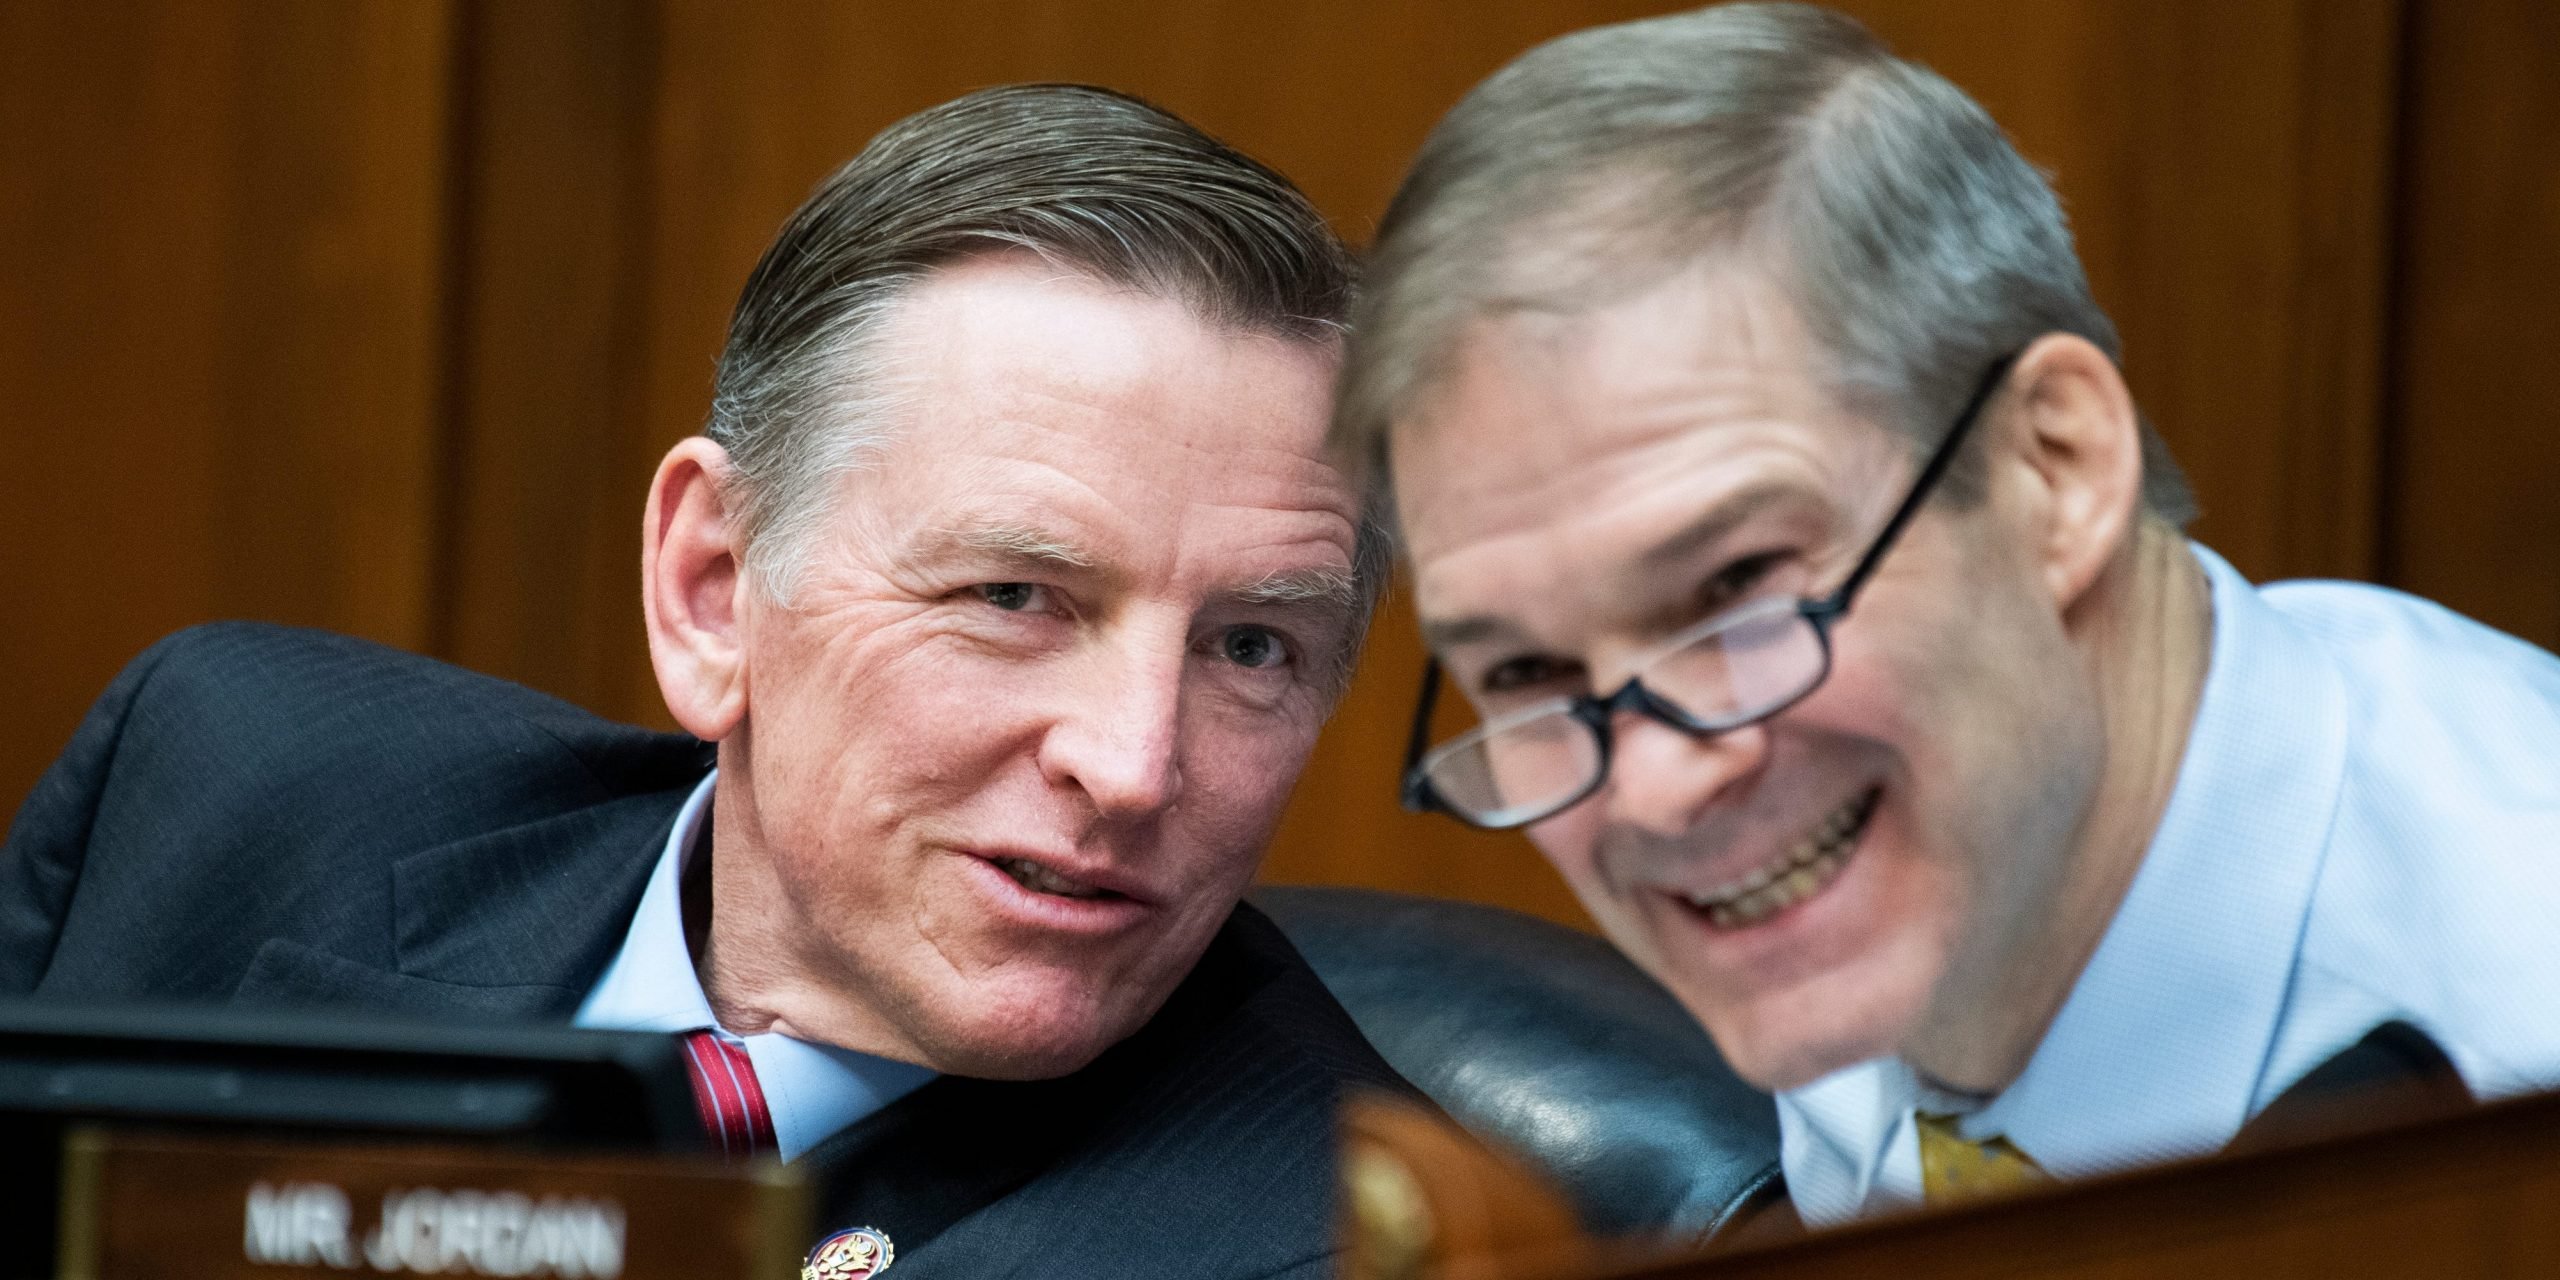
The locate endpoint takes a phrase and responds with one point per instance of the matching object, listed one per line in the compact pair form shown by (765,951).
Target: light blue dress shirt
(2366,826)
(813,1090)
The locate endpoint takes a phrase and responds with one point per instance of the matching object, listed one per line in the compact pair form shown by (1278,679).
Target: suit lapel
(945,1151)
(543,903)
(921,1165)
(513,924)
(288,974)
(2396,1074)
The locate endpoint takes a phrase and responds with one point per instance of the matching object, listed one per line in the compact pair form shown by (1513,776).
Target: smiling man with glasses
(1776,504)
(1734,669)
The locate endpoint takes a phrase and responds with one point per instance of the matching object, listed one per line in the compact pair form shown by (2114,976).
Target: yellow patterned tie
(1955,1171)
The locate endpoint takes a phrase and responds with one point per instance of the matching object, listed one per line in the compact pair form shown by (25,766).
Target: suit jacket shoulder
(246,794)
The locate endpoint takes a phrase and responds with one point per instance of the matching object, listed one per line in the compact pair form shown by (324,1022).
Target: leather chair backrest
(1550,1042)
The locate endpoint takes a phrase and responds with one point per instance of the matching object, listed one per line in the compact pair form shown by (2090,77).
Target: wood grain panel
(541,540)
(219,333)
(2474,494)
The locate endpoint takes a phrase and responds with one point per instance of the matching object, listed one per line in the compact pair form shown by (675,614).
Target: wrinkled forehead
(1029,404)
(1560,448)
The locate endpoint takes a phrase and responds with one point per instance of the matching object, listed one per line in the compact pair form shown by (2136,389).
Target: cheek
(1929,675)
(872,736)
(1570,842)
(884,676)
(1237,776)
(1989,715)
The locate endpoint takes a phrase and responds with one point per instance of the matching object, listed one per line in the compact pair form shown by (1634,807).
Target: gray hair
(1917,245)
(1093,181)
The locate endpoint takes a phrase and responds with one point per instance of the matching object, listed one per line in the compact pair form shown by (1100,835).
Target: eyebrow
(1009,542)
(1714,526)
(1002,541)
(1719,523)
(1442,634)
(1322,585)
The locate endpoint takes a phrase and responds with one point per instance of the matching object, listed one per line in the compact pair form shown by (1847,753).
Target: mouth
(1806,868)
(1052,895)
(1043,879)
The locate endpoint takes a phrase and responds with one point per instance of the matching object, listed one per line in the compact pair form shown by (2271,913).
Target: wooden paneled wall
(223,375)
(376,314)
(2471,516)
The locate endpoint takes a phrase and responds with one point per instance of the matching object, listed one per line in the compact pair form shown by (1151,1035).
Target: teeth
(1808,866)
(1039,879)
(1799,882)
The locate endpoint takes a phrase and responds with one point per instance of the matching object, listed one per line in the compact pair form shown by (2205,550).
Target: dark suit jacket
(275,817)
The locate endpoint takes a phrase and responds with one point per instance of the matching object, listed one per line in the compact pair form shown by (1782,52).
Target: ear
(691,582)
(2081,442)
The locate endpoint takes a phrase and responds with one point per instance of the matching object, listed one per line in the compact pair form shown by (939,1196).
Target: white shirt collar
(2159,1050)
(813,1090)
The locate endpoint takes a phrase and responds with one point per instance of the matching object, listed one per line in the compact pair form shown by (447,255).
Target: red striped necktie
(726,1092)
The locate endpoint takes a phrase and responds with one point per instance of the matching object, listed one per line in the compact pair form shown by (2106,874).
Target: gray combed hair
(1093,181)
(1917,245)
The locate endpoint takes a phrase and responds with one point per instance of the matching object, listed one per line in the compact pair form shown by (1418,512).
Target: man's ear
(2082,443)
(692,587)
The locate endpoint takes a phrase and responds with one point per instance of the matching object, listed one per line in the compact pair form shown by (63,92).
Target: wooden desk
(2474,1195)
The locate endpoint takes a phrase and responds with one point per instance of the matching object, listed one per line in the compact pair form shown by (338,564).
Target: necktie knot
(1957,1170)
(726,1093)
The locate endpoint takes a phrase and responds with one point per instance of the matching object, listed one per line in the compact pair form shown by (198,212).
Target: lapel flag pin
(857,1253)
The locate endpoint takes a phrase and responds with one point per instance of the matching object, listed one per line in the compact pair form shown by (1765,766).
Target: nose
(1117,735)
(1663,781)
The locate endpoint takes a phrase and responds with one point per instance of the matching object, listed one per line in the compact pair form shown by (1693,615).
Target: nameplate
(138,1205)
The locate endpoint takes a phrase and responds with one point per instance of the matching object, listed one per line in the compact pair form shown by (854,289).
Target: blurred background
(376,315)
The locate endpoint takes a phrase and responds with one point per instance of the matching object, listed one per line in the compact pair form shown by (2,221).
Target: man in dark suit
(1002,599)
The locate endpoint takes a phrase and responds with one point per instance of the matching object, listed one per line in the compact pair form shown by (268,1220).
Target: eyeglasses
(1737,668)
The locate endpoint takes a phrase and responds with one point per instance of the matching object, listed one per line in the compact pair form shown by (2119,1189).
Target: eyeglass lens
(1517,768)
(1507,772)
(1750,662)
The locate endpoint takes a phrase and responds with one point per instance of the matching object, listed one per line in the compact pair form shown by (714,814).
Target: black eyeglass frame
(1421,796)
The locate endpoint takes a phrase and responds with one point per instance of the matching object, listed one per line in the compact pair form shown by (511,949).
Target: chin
(1789,1039)
(1777,1063)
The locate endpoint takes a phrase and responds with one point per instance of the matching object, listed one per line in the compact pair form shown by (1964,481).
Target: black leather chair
(1548,1041)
